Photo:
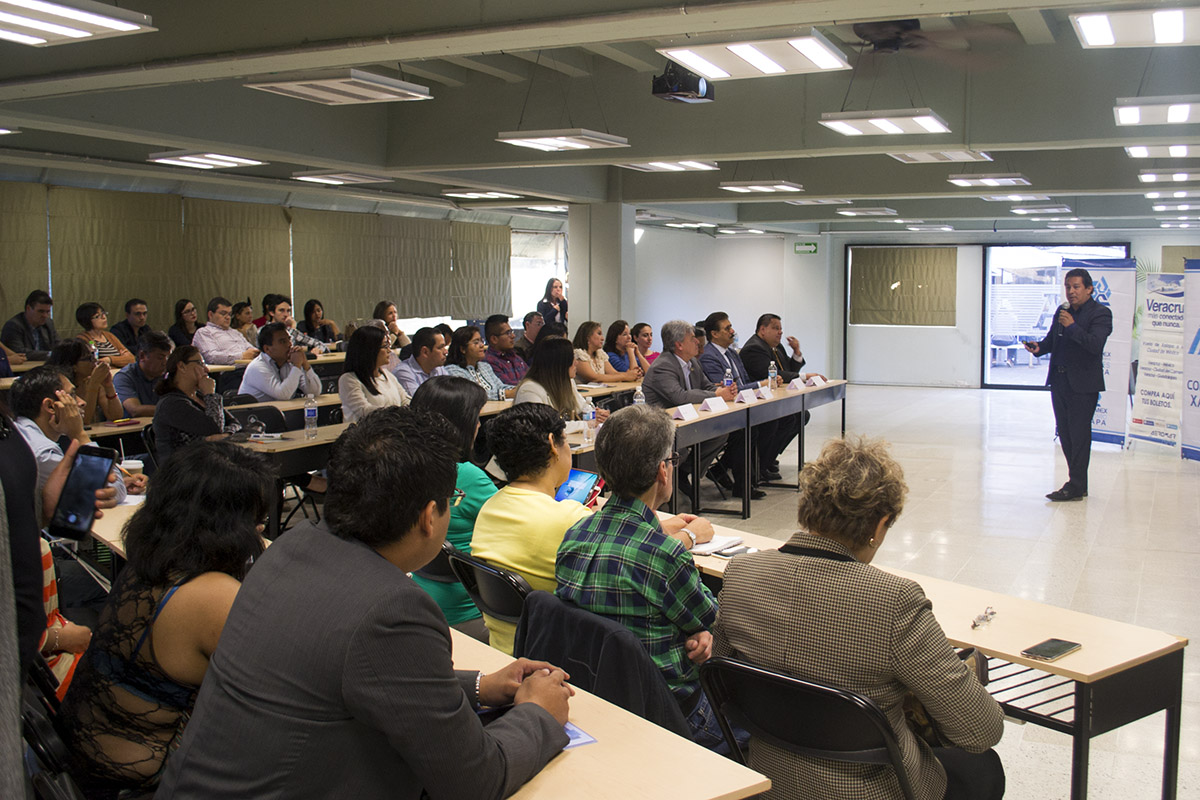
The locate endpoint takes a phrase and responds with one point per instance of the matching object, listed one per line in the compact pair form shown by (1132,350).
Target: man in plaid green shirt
(624,564)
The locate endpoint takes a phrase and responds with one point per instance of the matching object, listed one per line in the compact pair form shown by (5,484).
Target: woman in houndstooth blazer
(837,620)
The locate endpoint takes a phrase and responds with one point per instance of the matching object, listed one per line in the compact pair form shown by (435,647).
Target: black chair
(268,419)
(800,716)
(150,440)
(39,711)
(329,384)
(439,569)
(497,592)
(233,398)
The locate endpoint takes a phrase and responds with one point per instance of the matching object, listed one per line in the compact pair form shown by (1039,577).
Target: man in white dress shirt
(282,371)
(217,341)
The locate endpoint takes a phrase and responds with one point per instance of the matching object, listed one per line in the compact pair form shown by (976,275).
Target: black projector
(681,85)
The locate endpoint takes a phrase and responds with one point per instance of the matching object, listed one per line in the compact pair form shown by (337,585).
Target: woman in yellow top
(522,525)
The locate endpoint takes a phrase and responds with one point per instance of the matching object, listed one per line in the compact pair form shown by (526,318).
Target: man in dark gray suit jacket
(31,332)
(334,677)
(1075,343)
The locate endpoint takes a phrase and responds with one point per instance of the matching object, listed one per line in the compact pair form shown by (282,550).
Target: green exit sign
(805,248)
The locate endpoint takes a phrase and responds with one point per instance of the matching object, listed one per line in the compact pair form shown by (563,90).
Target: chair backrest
(233,398)
(497,592)
(439,569)
(150,440)
(329,384)
(269,418)
(801,716)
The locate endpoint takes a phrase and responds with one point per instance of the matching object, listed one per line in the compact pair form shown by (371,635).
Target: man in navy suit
(719,356)
(1075,343)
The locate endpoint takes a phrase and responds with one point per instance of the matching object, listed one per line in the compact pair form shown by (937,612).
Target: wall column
(602,264)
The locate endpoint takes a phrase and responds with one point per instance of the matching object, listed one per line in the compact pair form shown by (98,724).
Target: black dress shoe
(720,476)
(755,494)
(772,474)
(1065,494)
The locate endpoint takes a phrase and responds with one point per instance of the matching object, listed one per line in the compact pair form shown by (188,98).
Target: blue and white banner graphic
(1114,282)
(1158,398)
(1191,362)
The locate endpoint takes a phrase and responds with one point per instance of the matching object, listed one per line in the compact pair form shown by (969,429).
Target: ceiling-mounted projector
(677,83)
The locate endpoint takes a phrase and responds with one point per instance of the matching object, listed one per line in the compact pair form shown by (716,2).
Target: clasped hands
(528,681)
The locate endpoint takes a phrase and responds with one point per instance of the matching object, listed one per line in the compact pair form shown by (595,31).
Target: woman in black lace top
(188,548)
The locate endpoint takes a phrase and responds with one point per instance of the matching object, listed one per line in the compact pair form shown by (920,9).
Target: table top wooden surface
(324,358)
(632,758)
(295,440)
(25,367)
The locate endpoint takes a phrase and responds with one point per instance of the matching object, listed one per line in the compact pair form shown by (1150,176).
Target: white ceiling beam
(445,74)
(564,61)
(624,55)
(1032,25)
(486,65)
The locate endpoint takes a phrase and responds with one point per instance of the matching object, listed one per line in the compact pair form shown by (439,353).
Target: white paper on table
(577,736)
(133,500)
(714,404)
(685,412)
(746,396)
(715,544)
(764,392)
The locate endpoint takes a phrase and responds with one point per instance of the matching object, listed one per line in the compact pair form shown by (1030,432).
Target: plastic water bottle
(310,417)
(639,397)
(772,376)
(728,379)
(589,419)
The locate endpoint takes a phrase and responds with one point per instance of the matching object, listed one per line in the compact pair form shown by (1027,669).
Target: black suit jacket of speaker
(1080,347)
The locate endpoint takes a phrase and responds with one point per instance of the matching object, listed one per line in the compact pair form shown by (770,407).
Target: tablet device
(1051,649)
(578,486)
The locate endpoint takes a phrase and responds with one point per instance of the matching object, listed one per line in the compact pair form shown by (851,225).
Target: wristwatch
(691,536)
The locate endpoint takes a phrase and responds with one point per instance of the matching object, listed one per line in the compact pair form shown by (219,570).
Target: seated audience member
(217,341)
(365,383)
(677,378)
(548,330)
(701,335)
(334,677)
(7,359)
(187,546)
(282,371)
(427,359)
(31,333)
(108,348)
(553,305)
(507,363)
(718,358)
(624,564)
(836,619)
(281,312)
(459,401)
(93,380)
(189,406)
(135,383)
(643,337)
(594,366)
(622,353)
(130,329)
(533,323)
(386,311)
(521,526)
(47,409)
(63,642)
(242,321)
(551,381)
(185,326)
(268,303)
(316,325)
(465,359)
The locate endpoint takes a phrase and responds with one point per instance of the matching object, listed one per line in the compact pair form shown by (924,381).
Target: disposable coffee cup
(132,465)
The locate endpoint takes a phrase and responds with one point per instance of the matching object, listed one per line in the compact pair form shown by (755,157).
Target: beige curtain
(236,250)
(903,285)
(22,244)
(107,247)
(482,280)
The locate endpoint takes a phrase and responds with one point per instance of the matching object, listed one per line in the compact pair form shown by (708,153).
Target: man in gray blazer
(676,378)
(334,674)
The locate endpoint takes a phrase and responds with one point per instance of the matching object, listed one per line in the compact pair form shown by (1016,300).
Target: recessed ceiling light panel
(334,178)
(344,87)
(1178,110)
(479,194)
(820,201)
(1169,175)
(1049,209)
(1177,207)
(757,59)
(992,180)
(930,228)
(563,139)
(1070,226)
(42,24)
(760,187)
(1162,151)
(942,157)
(7,131)
(673,166)
(878,211)
(875,123)
(1178,225)
(1014,198)
(201,160)
(1142,28)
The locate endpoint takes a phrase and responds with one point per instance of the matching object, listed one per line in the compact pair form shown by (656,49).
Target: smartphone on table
(1050,650)
(76,507)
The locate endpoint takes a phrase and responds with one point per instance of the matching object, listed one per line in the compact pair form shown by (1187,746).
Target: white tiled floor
(978,464)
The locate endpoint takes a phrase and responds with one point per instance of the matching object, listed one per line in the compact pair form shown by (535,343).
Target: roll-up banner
(1191,361)
(1158,396)
(1114,282)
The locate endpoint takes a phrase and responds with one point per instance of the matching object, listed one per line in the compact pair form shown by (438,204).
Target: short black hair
(134,301)
(530,317)
(1079,272)
(154,341)
(84,314)
(384,471)
(31,388)
(200,514)
(217,302)
(713,322)
(270,299)
(276,300)
(238,306)
(551,329)
(422,339)
(492,326)
(69,353)
(362,354)
(765,320)
(266,334)
(38,298)
(520,438)
(459,401)
(445,330)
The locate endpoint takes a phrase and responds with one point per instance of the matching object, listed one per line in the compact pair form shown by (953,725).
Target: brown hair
(852,485)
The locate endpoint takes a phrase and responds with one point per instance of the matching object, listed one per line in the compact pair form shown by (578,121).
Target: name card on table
(764,392)
(684,412)
(796,385)
(714,404)
(816,380)
(746,396)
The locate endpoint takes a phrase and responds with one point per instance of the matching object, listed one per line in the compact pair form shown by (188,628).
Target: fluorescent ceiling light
(1050,209)
(1053,219)
(563,139)
(1177,225)
(936,157)
(897,121)
(820,201)
(867,212)
(1014,198)
(343,87)
(764,187)
(43,24)
(7,131)
(1169,175)
(1175,194)
(756,59)
(202,160)
(991,179)
(479,194)
(1161,151)
(690,225)
(1177,207)
(1181,217)
(931,227)
(549,208)
(733,231)
(334,178)
(1070,226)
(673,166)
(1142,28)
(1176,110)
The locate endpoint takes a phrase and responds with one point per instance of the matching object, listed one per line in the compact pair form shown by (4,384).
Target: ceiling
(1009,78)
